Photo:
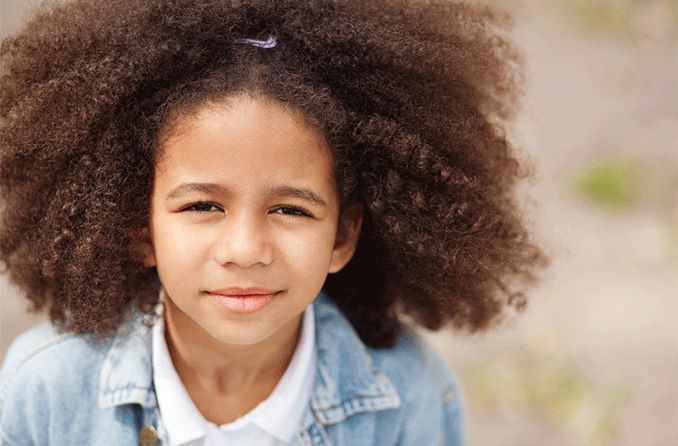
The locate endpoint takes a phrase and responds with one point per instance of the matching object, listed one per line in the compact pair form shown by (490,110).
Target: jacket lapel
(126,374)
(346,383)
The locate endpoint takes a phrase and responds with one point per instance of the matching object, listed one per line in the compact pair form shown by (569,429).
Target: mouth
(243,303)
(244,292)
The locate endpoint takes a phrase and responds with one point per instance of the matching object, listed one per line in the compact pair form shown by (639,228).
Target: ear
(142,243)
(347,237)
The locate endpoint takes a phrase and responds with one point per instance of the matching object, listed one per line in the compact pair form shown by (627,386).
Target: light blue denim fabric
(66,389)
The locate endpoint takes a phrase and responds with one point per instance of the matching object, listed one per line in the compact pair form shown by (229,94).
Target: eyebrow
(217,189)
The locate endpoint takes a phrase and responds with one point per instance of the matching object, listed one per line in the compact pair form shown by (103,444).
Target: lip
(244,292)
(243,303)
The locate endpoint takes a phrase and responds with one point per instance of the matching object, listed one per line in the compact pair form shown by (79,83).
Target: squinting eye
(204,207)
(200,207)
(299,212)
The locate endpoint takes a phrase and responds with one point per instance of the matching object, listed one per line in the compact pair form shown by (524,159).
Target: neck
(204,363)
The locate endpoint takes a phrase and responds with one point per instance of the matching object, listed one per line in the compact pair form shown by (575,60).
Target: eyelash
(191,208)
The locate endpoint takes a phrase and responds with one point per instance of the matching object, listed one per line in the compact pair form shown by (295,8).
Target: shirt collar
(182,420)
(283,405)
(344,371)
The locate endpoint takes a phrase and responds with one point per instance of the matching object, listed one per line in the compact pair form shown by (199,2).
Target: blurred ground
(594,359)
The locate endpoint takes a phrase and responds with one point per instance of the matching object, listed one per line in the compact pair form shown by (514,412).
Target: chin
(241,339)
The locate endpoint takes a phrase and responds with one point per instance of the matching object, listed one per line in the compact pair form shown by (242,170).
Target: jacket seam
(5,441)
(320,428)
(353,406)
(113,390)
(112,397)
(27,356)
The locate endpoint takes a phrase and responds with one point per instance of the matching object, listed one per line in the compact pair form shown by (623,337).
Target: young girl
(235,212)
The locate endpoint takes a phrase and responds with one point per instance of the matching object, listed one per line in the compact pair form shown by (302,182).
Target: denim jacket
(67,389)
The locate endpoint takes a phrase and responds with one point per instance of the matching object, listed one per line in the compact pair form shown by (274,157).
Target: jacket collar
(126,374)
(346,381)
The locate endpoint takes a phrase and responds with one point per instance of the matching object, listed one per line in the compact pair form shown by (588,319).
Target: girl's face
(244,196)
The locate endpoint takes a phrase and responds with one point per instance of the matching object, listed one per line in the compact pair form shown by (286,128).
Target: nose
(243,240)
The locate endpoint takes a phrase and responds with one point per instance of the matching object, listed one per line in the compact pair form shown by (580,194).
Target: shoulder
(408,385)
(41,370)
(431,397)
(49,354)
(412,359)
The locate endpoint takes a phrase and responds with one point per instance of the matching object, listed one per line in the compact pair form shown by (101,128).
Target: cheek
(175,245)
(306,252)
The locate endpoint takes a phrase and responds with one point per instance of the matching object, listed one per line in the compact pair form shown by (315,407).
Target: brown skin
(229,362)
(412,98)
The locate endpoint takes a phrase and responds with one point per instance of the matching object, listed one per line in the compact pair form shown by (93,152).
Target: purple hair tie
(270,43)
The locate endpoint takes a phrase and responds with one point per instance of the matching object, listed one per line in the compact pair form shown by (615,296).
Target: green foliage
(602,16)
(609,182)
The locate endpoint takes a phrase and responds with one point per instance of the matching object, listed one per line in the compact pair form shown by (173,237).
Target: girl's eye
(297,211)
(200,207)
(205,207)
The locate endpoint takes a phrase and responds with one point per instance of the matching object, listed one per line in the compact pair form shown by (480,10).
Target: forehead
(245,142)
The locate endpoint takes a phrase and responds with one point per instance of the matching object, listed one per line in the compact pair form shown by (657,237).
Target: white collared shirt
(272,422)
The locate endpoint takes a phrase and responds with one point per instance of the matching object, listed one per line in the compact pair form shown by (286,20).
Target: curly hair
(412,96)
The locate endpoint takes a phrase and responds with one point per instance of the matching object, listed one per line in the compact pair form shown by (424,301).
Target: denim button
(148,436)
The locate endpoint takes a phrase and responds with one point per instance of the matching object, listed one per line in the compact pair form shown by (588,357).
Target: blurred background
(594,358)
